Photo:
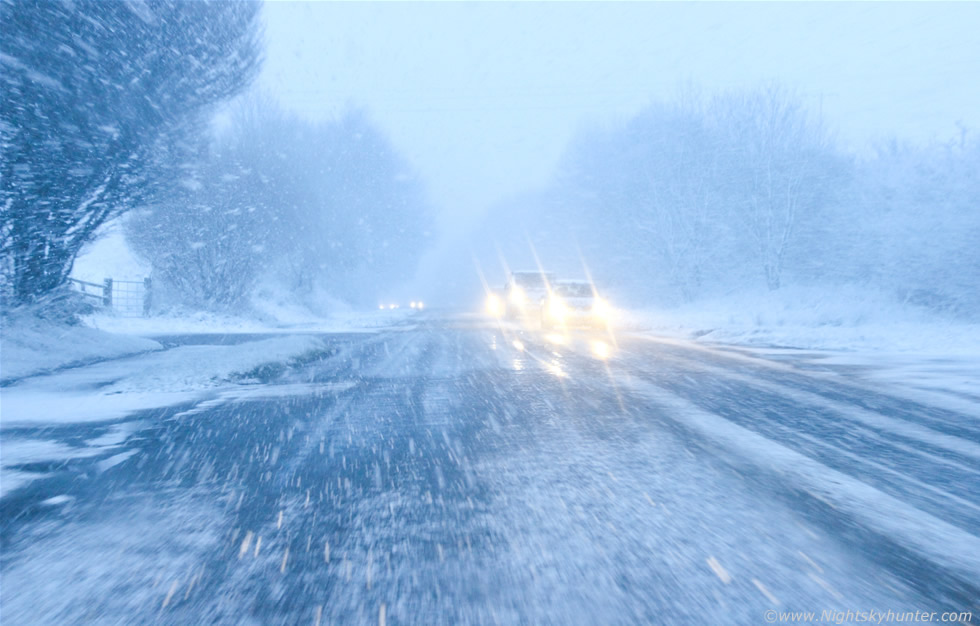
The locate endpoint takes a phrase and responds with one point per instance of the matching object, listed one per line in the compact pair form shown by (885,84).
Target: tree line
(107,111)
(276,202)
(707,195)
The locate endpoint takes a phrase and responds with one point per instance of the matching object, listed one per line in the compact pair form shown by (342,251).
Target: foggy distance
(496,312)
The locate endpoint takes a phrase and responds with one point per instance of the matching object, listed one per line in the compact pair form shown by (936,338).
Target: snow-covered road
(454,471)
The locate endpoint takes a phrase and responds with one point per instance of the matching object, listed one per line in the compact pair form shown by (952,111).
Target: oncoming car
(574,303)
(522,296)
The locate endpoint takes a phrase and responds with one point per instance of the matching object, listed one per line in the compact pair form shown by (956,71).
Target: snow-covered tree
(699,194)
(917,224)
(326,207)
(96,95)
(780,168)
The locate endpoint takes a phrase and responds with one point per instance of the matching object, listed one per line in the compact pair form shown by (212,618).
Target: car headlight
(601,308)
(494,306)
(557,308)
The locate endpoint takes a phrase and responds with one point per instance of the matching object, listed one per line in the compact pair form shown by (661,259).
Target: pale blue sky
(482,97)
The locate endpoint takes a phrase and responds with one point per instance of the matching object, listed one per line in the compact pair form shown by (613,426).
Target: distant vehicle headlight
(494,306)
(420,306)
(517,296)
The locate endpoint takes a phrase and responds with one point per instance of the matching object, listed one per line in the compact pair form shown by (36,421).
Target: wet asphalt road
(453,471)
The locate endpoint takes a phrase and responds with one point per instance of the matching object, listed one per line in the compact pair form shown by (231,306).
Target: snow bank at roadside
(836,318)
(104,394)
(211,323)
(114,389)
(917,353)
(31,345)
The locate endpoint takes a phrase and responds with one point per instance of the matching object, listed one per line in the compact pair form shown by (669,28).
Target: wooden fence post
(107,294)
(147,296)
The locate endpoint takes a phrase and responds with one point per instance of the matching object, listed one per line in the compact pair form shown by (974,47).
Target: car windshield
(574,290)
(532,280)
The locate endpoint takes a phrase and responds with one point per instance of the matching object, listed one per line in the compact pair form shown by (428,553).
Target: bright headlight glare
(494,305)
(517,296)
(601,308)
(557,308)
(601,349)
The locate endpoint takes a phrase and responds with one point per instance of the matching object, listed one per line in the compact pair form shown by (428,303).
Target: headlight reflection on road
(555,368)
(557,338)
(600,349)
(518,362)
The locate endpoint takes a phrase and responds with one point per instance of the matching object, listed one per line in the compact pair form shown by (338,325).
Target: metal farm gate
(129,298)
